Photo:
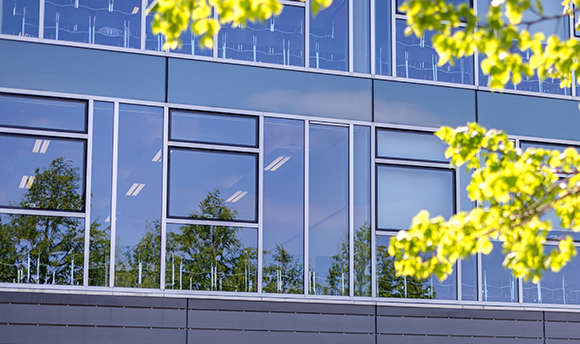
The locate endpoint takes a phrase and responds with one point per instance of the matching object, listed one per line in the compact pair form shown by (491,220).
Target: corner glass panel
(469,279)
(404,191)
(328,222)
(19,17)
(383,37)
(219,258)
(390,285)
(106,22)
(417,59)
(497,283)
(362,36)
(400,144)
(278,40)
(101,194)
(41,172)
(225,180)
(41,249)
(206,127)
(42,113)
(189,42)
(362,211)
(283,233)
(329,37)
(138,231)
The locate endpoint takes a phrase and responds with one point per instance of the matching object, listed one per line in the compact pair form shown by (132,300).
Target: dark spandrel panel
(562,287)
(19,17)
(207,127)
(362,36)
(41,250)
(329,37)
(328,222)
(390,285)
(383,37)
(101,181)
(362,211)
(497,283)
(138,246)
(404,191)
(283,233)
(417,59)
(189,42)
(529,116)
(42,113)
(422,105)
(400,144)
(114,23)
(469,279)
(278,40)
(272,90)
(212,185)
(42,173)
(216,258)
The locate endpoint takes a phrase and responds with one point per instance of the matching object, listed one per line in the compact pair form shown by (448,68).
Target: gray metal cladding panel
(82,71)
(91,315)
(264,306)
(458,313)
(570,330)
(263,337)
(23,334)
(267,89)
(562,341)
(563,316)
(234,320)
(397,339)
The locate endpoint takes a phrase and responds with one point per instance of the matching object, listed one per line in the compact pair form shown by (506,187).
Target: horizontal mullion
(293,3)
(213,147)
(40,132)
(413,163)
(170,220)
(37,212)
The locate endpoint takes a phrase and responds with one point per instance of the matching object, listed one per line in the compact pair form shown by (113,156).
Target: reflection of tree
(99,254)
(283,274)
(362,261)
(337,279)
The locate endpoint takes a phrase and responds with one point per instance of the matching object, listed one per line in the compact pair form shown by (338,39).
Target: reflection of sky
(328,195)
(410,145)
(101,178)
(284,188)
(17,14)
(116,23)
(44,113)
(329,37)
(193,174)
(20,160)
(404,191)
(383,37)
(498,284)
(212,128)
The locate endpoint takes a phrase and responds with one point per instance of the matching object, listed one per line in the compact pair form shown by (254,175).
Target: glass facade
(19,17)
(329,37)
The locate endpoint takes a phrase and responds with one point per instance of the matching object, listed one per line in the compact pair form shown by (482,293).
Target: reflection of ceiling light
(135,10)
(135,189)
(40,146)
(26,182)
(157,156)
(108,219)
(277,163)
(236,196)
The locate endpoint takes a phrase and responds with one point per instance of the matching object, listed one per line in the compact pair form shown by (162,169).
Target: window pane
(101,181)
(410,145)
(498,284)
(226,180)
(107,22)
(454,2)
(362,211)
(362,36)
(212,128)
(42,113)
(42,173)
(417,59)
(329,37)
(19,17)
(404,191)
(211,258)
(138,249)
(283,233)
(278,40)
(189,42)
(469,279)
(41,250)
(383,37)
(328,223)
(389,285)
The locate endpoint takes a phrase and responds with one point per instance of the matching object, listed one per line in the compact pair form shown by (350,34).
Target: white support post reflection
(351,207)
(164,160)
(373,216)
(114,194)
(306,205)
(260,203)
(89,169)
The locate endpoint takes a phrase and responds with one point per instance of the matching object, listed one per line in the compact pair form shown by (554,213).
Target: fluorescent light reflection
(238,195)
(26,182)
(134,190)
(40,146)
(277,163)
(157,156)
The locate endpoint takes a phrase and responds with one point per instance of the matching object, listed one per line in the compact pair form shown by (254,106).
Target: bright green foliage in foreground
(514,189)
(498,35)
(172,17)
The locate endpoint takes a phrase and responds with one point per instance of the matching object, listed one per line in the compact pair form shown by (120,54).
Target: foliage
(515,191)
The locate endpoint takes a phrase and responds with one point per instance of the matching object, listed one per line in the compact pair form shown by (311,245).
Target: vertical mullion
(164,159)
(479,277)
(41,10)
(373,215)
(307,33)
(88,182)
(520,290)
(373,38)
(306,205)
(114,194)
(476,55)
(351,35)
(393,38)
(215,37)
(143,23)
(458,275)
(260,204)
(351,206)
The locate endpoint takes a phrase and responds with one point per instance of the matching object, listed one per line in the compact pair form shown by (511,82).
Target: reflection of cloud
(230,182)
(337,103)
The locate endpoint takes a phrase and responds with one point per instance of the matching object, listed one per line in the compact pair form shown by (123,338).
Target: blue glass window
(19,17)
(454,2)
(400,144)
(383,37)
(497,283)
(362,211)
(361,36)
(278,40)
(107,22)
(417,59)
(469,279)
(189,42)
(329,37)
